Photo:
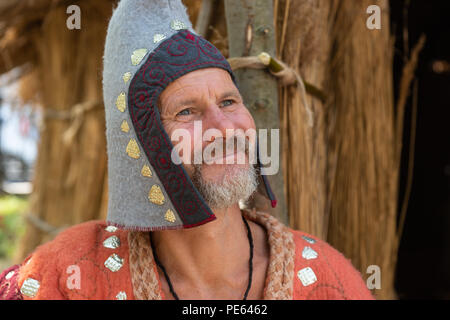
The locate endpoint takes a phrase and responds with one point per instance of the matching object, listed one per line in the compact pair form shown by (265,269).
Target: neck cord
(250,275)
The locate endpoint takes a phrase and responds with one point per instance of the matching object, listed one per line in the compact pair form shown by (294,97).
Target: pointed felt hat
(149,44)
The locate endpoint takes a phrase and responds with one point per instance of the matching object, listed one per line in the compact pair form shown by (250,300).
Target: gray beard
(237,184)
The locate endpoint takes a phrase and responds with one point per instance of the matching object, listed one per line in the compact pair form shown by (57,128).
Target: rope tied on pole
(75,115)
(286,75)
(43,226)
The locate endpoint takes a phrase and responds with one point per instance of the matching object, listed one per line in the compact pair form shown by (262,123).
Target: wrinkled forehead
(213,81)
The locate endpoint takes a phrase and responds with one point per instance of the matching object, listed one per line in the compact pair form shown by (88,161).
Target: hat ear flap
(268,189)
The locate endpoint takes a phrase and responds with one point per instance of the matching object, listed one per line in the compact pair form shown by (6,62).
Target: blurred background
(371,176)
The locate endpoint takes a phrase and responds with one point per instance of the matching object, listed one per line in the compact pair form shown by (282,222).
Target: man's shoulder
(81,235)
(308,245)
(74,263)
(322,272)
(75,240)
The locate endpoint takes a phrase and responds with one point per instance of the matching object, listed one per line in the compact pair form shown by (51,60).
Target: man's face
(208,96)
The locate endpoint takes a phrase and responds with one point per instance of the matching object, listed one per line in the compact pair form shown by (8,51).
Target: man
(175,230)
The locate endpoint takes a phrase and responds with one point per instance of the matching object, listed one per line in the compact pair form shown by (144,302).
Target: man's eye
(227,103)
(184,112)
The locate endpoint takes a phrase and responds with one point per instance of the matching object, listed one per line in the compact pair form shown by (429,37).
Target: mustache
(220,148)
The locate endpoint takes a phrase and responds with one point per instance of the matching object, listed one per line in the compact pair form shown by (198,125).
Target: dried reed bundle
(303,44)
(69,182)
(342,173)
(362,144)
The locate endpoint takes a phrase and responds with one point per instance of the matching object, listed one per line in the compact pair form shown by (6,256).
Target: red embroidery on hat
(178,55)
(189,36)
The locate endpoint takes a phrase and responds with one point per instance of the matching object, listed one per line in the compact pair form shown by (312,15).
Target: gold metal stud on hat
(156,195)
(158,37)
(124,126)
(146,171)
(121,103)
(137,56)
(133,150)
(126,77)
(177,25)
(170,216)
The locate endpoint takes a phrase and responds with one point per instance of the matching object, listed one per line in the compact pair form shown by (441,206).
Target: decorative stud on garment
(124,126)
(309,240)
(114,262)
(177,25)
(9,275)
(121,103)
(146,171)
(137,56)
(170,216)
(309,254)
(112,242)
(121,296)
(156,195)
(30,287)
(126,77)
(307,276)
(111,229)
(158,37)
(133,149)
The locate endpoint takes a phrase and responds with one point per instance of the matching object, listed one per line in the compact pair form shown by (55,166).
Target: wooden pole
(204,17)
(250,26)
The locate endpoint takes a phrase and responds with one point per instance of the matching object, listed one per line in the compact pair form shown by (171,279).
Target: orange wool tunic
(77,265)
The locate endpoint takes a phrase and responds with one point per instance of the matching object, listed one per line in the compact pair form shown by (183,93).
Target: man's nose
(215,118)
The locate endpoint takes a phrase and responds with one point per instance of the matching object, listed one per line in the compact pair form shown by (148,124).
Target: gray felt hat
(149,44)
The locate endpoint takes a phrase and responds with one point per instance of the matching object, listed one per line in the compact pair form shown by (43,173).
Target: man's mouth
(231,157)
(223,153)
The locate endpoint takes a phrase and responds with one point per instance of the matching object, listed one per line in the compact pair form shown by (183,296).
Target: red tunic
(79,264)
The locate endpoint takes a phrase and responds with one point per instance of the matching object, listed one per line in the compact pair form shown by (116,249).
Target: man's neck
(216,253)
